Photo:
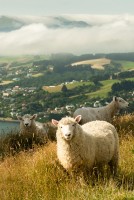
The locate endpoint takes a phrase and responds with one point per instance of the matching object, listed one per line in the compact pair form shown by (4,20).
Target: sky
(50,7)
(111,30)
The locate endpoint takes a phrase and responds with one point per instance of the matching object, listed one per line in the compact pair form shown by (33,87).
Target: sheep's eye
(61,127)
(73,124)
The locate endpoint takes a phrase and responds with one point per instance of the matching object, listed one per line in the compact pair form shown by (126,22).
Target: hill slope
(96,63)
(38,175)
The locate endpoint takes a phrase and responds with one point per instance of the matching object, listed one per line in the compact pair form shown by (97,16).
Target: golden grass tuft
(124,125)
(37,175)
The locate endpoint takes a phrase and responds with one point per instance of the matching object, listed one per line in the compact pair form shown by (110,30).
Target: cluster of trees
(126,74)
(125,90)
(121,56)
(123,86)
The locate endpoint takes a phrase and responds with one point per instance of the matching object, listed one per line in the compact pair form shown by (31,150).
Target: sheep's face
(27,120)
(67,131)
(121,103)
(67,127)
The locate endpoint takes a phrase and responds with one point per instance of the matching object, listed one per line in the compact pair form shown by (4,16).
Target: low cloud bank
(104,34)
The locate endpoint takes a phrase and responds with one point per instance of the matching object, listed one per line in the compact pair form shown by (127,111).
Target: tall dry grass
(124,125)
(37,175)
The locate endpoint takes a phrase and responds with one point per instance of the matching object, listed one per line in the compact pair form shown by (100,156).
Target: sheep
(93,144)
(105,113)
(32,130)
(51,131)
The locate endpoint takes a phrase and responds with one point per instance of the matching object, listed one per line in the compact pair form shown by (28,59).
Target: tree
(64,88)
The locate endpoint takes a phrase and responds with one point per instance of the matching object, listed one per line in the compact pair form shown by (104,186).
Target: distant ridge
(8,24)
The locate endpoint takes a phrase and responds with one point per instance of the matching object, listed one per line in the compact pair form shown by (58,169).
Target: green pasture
(6,82)
(70,86)
(103,91)
(21,58)
(126,65)
(15,58)
(37,75)
(130,79)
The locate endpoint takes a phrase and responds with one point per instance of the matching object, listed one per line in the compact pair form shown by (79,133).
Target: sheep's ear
(19,117)
(78,118)
(34,116)
(55,122)
(115,98)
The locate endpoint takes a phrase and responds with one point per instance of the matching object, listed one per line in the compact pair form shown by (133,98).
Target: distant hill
(8,24)
(12,23)
(62,22)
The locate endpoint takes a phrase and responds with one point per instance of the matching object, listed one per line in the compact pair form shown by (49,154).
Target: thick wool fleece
(105,113)
(95,143)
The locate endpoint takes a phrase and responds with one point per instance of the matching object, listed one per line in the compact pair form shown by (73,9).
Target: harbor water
(8,126)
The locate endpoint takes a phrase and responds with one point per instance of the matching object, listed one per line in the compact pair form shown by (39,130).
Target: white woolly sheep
(92,144)
(105,113)
(30,128)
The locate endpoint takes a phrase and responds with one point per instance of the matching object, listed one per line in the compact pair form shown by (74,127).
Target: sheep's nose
(26,124)
(68,134)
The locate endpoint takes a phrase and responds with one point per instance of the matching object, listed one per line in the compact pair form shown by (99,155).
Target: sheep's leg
(113,166)
(99,170)
(86,173)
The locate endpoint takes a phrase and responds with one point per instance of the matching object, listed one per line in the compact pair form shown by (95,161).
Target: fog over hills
(13,23)
(76,34)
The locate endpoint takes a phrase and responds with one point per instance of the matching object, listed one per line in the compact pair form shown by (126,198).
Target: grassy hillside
(21,59)
(6,82)
(105,88)
(37,175)
(102,92)
(57,88)
(96,63)
(126,65)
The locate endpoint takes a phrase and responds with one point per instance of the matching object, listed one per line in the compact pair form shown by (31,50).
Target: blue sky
(56,7)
